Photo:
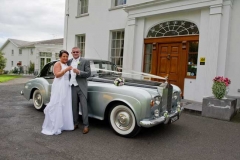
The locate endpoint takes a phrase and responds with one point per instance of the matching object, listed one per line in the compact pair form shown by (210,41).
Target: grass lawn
(5,77)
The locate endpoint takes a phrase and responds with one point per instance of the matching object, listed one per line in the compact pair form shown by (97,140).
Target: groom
(78,81)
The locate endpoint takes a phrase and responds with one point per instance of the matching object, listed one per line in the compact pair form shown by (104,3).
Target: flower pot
(226,92)
(220,87)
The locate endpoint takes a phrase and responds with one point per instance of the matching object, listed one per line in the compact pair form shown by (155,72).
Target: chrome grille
(166,104)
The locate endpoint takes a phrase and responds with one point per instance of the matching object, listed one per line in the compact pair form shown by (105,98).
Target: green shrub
(15,70)
(219,89)
(31,68)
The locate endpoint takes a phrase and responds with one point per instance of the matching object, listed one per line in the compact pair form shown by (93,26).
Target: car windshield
(98,67)
(102,67)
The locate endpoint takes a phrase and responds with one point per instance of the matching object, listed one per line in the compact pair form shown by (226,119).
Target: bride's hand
(68,68)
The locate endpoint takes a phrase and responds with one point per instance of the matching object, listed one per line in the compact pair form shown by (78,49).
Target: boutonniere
(79,63)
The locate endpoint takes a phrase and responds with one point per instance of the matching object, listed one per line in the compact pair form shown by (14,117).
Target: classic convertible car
(136,104)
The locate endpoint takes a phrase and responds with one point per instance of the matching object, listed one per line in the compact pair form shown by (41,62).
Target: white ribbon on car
(136,73)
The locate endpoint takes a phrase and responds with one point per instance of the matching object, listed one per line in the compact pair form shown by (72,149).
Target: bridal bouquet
(220,86)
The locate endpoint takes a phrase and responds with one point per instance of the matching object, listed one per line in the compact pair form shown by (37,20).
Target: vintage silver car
(136,104)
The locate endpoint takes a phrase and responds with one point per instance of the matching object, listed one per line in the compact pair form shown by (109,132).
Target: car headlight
(157,100)
(175,95)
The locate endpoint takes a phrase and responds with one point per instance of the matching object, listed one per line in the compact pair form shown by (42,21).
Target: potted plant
(220,86)
(219,106)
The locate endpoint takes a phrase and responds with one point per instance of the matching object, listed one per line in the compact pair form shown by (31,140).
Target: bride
(58,112)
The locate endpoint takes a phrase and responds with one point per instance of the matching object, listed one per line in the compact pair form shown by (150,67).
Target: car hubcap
(38,100)
(123,120)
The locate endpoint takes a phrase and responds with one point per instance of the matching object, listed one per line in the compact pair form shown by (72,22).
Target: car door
(47,73)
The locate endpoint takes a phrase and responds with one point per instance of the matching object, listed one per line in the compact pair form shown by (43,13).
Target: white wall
(96,27)
(8,54)
(132,2)
(211,18)
(26,55)
(233,63)
(45,48)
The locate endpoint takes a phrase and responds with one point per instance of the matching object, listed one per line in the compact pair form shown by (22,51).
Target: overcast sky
(31,20)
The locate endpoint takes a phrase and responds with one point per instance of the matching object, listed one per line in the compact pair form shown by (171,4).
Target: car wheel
(38,100)
(123,121)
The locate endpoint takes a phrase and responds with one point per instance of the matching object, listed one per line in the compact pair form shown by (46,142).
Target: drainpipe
(66,18)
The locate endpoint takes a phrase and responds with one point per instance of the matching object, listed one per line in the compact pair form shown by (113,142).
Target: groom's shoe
(75,127)
(85,130)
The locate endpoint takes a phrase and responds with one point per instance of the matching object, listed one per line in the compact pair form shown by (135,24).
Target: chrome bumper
(163,119)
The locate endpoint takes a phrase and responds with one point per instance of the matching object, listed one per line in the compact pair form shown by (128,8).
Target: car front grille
(166,104)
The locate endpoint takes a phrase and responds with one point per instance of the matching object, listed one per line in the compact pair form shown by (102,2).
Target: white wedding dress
(58,112)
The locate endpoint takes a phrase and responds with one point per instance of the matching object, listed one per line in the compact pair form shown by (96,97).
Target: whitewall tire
(123,121)
(38,100)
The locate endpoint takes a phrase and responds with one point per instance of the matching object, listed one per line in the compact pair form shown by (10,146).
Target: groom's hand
(75,70)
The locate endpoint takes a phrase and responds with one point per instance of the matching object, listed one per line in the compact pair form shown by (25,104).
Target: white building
(23,52)
(192,41)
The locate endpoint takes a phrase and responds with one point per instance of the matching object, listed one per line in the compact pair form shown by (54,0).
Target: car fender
(43,86)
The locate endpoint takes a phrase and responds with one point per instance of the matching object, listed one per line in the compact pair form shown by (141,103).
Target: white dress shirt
(74,64)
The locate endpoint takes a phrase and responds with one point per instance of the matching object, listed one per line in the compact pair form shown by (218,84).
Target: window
(119,2)
(117,42)
(148,58)
(12,63)
(56,56)
(192,59)
(12,52)
(45,57)
(102,65)
(31,51)
(82,7)
(20,51)
(173,28)
(81,44)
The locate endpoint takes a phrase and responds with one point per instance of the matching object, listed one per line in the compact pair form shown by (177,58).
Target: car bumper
(170,118)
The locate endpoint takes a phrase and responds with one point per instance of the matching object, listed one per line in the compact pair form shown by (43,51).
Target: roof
(21,43)
(48,42)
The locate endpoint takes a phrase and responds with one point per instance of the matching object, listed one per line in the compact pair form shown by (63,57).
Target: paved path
(190,138)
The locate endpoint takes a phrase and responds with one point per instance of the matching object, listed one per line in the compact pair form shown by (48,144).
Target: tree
(3,62)
(31,67)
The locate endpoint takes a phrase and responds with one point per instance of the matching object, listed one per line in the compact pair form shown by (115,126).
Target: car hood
(152,87)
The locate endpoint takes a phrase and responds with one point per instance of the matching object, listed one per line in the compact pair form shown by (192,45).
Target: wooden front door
(169,62)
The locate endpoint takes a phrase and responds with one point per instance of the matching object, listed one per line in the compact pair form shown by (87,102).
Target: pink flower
(221,79)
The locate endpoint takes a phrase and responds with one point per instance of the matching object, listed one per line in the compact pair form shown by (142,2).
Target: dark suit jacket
(85,72)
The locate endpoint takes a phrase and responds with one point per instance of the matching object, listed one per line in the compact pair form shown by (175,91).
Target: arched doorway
(171,48)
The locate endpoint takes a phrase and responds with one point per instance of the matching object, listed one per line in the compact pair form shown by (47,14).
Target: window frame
(191,53)
(114,3)
(80,8)
(78,43)
(57,56)
(31,51)
(46,56)
(144,60)
(119,47)
(20,51)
